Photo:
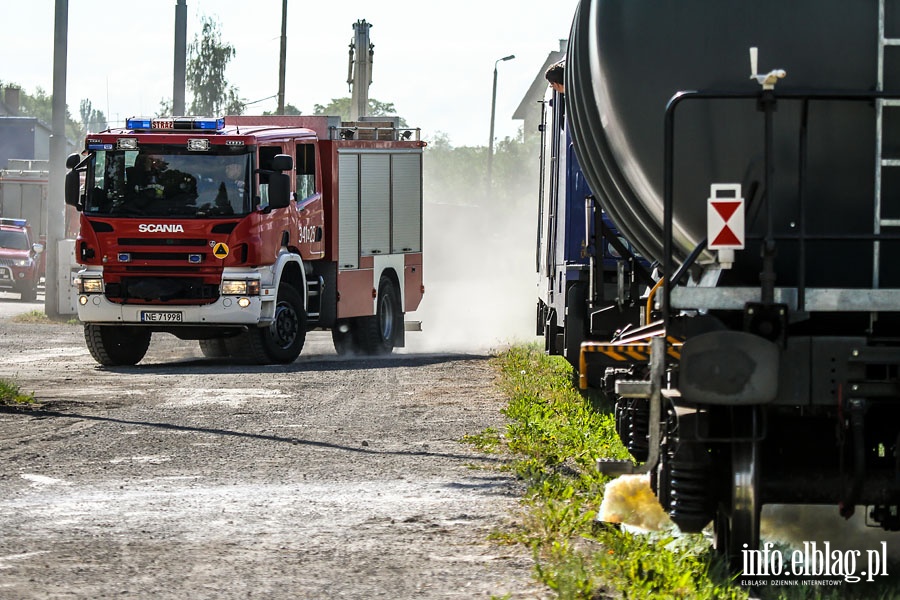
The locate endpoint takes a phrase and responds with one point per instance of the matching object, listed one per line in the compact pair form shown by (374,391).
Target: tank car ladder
(880,161)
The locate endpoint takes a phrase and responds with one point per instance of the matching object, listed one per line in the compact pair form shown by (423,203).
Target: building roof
(538,87)
(26,119)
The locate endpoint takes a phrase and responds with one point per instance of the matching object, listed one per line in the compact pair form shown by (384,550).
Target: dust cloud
(795,524)
(629,499)
(479,275)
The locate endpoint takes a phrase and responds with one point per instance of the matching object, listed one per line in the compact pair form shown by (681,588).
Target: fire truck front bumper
(227,310)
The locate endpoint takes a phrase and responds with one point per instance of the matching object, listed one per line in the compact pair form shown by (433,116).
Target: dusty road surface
(11,304)
(187,477)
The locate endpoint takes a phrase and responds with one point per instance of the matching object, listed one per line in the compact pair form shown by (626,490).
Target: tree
(289,109)
(341,107)
(456,175)
(91,119)
(165,108)
(205,73)
(40,105)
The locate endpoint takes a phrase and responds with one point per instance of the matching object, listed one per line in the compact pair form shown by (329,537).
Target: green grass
(34,316)
(11,394)
(38,316)
(553,438)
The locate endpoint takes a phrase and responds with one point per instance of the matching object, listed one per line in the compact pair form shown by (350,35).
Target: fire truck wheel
(214,348)
(112,345)
(376,334)
(283,340)
(342,336)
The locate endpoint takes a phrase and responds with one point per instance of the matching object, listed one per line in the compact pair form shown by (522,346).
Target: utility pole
(283,63)
(490,160)
(56,216)
(180,57)
(360,75)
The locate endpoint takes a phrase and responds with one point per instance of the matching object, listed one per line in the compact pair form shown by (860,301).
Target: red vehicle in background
(20,265)
(245,232)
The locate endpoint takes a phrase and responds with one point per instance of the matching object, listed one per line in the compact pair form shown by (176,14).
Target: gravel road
(187,477)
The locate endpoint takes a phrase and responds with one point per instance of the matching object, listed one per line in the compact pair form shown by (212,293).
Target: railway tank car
(761,364)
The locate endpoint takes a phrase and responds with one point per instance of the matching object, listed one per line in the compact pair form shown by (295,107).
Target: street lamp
(493,111)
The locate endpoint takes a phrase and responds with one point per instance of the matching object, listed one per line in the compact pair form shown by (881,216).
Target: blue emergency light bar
(135,123)
(13,222)
(176,123)
(214,124)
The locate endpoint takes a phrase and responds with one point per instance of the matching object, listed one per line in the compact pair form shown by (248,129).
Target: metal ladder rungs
(314,289)
(883,41)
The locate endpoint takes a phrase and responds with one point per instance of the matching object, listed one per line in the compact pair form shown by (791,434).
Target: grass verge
(553,437)
(38,316)
(11,394)
(33,316)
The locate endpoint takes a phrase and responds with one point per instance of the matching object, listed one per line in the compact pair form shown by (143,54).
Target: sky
(434,60)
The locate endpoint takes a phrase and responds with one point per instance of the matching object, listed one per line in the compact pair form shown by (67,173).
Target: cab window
(266,155)
(306,170)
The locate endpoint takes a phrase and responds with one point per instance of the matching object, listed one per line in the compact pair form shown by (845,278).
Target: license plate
(157,316)
(4,274)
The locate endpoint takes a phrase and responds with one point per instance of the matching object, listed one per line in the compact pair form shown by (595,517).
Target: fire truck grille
(161,242)
(179,256)
(165,289)
(155,270)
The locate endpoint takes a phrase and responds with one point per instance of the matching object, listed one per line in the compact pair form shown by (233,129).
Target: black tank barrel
(625,62)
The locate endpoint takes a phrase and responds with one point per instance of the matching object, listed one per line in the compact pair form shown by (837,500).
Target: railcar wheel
(737,521)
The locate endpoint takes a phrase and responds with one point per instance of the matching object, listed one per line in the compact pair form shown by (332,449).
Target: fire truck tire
(112,345)
(282,341)
(342,336)
(214,348)
(376,335)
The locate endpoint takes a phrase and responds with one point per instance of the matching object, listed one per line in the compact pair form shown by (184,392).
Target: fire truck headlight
(25,262)
(89,285)
(240,287)
(127,143)
(244,302)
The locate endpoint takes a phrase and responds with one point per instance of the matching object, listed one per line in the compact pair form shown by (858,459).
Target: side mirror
(37,247)
(282,162)
(279,190)
(73,188)
(73,181)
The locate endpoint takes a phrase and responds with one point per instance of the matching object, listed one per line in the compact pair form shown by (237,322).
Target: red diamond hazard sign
(725,217)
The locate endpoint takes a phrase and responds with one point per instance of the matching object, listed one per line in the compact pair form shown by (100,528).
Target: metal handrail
(397,133)
(767,100)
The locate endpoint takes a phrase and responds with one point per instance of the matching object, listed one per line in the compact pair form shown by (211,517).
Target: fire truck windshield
(169,181)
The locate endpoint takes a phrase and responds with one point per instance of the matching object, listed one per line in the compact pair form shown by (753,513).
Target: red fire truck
(246,232)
